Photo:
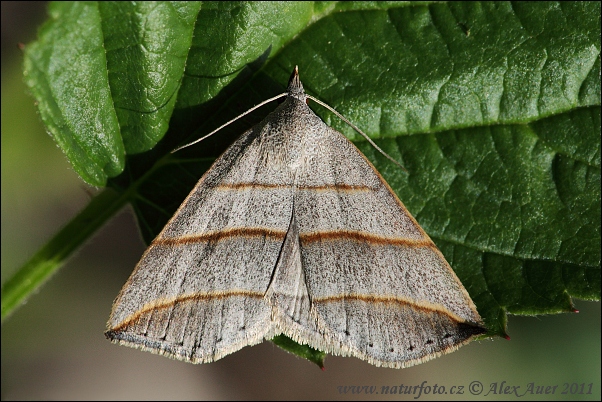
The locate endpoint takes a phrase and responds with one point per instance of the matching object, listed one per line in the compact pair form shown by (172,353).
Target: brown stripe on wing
(244,186)
(364,237)
(221,235)
(166,303)
(345,188)
(341,188)
(425,306)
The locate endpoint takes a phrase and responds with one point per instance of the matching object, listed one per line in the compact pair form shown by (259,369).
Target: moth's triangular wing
(198,292)
(379,287)
(293,231)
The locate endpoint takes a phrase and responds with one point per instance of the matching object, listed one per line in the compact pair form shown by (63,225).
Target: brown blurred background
(53,347)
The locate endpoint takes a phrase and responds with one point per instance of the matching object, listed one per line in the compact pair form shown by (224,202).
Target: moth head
(295,88)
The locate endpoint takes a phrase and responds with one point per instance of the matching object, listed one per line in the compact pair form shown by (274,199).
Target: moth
(293,231)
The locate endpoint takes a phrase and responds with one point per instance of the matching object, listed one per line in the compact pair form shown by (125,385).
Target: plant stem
(54,253)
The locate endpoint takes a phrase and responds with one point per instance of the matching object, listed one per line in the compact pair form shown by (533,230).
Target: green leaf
(66,72)
(147,45)
(493,108)
(106,76)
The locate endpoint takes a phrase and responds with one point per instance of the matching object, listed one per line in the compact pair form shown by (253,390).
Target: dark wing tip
(468,329)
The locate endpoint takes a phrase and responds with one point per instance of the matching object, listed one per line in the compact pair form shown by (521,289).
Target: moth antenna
(231,121)
(340,116)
